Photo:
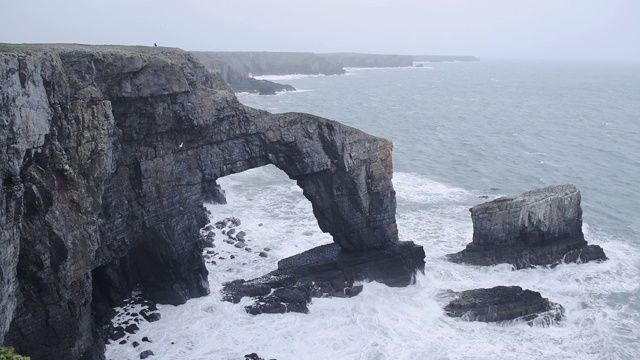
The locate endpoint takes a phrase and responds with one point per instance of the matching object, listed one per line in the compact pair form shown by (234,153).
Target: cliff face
(539,227)
(368,60)
(106,156)
(239,81)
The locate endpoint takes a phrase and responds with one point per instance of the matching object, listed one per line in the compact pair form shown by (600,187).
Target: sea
(463,133)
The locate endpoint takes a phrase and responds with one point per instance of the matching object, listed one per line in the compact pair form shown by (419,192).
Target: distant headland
(238,68)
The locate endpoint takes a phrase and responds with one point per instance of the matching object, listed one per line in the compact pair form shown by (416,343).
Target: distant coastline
(239,68)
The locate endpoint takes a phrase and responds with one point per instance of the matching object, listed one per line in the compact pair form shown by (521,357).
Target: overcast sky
(546,29)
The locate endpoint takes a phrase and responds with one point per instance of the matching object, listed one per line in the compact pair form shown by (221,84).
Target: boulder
(539,227)
(503,303)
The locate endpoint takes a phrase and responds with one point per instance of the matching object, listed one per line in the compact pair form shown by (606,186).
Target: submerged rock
(504,303)
(539,227)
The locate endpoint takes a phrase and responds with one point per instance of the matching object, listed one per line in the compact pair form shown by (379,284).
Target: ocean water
(460,131)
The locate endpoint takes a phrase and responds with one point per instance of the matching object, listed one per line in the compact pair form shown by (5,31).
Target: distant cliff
(368,60)
(238,80)
(107,155)
(272,63)
(441,58)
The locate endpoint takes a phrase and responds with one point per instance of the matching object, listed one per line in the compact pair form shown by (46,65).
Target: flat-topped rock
(539,227)
(326,271)
(502,303)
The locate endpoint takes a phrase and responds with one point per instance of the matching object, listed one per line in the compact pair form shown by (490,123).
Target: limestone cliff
(239,81)
(273,63)
(106,155)
(368,60)
(539,227)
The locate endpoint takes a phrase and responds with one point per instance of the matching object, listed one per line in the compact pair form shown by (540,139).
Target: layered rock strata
(326,271)
(539,227)
(502,303)
(107,154)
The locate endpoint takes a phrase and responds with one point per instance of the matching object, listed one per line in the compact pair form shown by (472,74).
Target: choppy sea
(461,131)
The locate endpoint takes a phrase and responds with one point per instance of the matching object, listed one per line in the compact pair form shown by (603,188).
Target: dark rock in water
(146,339)
(131,329)
(135,344)
(263,254)
(122,342)
(252,356)
(539,227)
(240,235)
(504,303)
(150,316)
(145,354)
(117,333)
(326,271)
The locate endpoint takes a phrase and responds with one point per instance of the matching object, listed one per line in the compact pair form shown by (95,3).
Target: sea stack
(539,227)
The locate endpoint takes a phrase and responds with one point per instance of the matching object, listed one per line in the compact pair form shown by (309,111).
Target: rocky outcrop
(273,63)
(502,303)
(368,60)
(539,227)
(239,82)
(326,271)
(106,156)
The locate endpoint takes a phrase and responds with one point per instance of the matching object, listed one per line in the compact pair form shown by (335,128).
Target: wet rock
(263,254)
(145,354)
(252,356)
(240,244)
(131,329)
(117,333)
(539,227)
(502,303)
(146,339)
(231,232)
(135,344)
(241,235)
(325,271)
(150,316)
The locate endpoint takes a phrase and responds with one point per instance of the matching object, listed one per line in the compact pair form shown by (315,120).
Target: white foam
(398,323)
(286,77)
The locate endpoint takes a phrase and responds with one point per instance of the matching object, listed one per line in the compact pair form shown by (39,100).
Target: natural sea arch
(344,173)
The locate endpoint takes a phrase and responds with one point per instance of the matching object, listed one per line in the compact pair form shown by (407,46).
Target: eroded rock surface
(326,271)
(106,156)
(539,227)
(503,303)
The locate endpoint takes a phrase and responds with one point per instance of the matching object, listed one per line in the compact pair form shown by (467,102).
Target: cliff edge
(107,154)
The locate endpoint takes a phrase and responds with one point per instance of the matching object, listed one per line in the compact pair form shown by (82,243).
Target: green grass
(7,353)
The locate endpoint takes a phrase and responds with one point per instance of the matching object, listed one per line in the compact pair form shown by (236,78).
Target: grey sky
(554,29)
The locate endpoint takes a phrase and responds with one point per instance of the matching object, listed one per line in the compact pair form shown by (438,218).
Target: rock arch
(111,151)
